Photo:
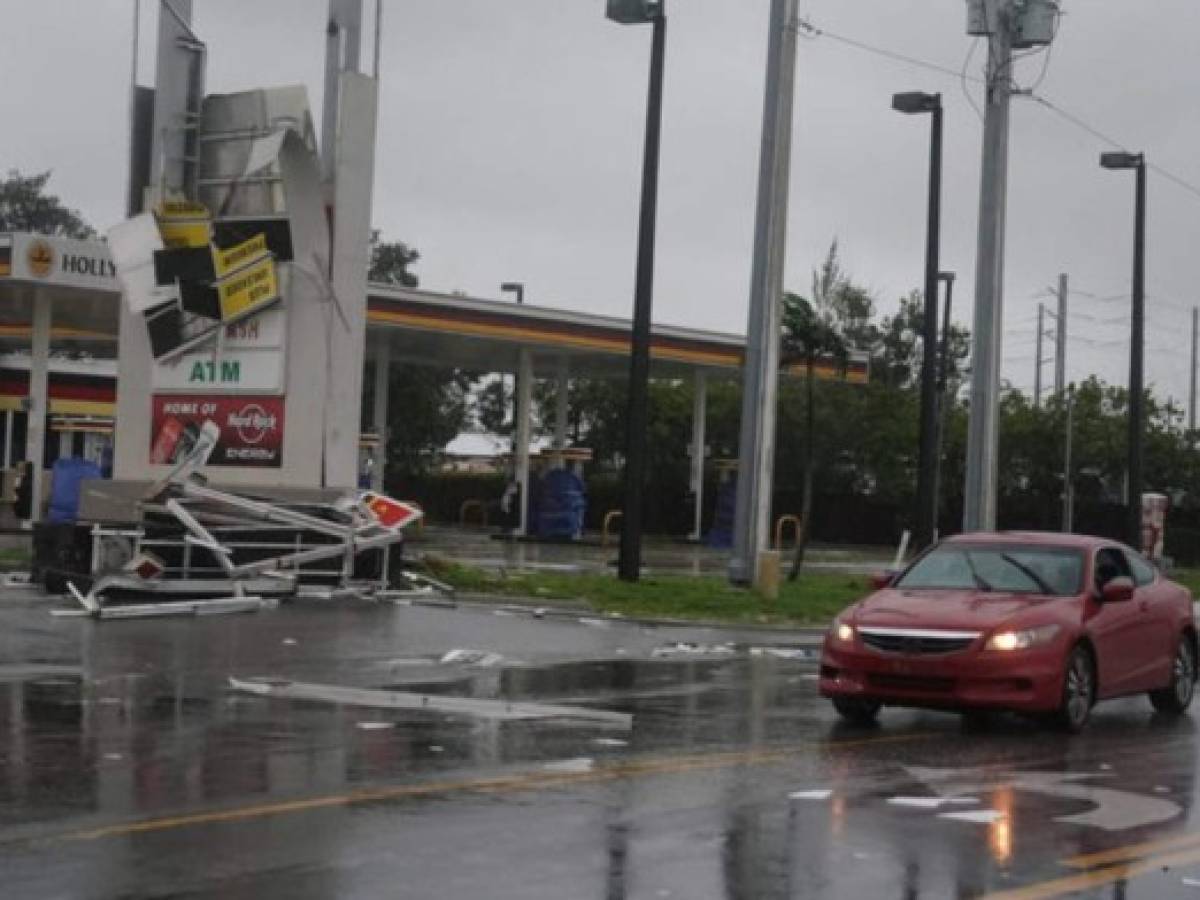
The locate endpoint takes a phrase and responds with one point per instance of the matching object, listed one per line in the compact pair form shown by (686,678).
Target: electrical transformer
(1036,22)
(977,17)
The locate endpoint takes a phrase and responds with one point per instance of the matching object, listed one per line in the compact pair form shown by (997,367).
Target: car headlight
(1022,640)
(843,632)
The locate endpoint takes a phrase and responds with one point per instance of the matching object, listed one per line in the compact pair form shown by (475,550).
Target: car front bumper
(1021,680)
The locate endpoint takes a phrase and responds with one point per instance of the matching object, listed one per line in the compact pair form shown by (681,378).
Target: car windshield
(1002,569)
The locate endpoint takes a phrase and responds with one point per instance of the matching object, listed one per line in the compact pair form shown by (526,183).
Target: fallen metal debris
(499,710)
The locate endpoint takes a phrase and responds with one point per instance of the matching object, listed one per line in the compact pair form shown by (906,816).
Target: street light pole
(925,520)
(1137,342)
(629,563)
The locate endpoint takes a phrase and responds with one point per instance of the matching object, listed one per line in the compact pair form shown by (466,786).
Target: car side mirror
(1117,590)
(881,580)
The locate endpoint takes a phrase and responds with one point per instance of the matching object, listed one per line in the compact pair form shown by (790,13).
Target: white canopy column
(524,394)
(39,394)
(379,417)
(699,417)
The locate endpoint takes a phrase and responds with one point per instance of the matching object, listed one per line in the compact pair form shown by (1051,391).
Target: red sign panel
(251,429)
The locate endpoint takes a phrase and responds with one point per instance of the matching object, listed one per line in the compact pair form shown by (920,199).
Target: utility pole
(1060,337)
(1068,516)
(1037,362)
(1192,371)
(756,447)
(982,432)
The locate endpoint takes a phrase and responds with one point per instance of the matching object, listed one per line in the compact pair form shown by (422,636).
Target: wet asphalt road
(129,769)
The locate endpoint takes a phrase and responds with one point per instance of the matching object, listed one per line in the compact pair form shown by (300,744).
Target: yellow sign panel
(181,233)
(182,209)
(183,223)
(243,254)
(248,289)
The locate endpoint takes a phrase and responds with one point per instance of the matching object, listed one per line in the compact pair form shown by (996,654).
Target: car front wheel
(1177,697)
(857,710)
(1079,691)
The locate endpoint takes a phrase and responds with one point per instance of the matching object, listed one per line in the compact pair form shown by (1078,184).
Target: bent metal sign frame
(251,429)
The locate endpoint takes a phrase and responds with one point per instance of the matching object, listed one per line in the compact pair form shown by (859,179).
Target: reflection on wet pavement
(129,769)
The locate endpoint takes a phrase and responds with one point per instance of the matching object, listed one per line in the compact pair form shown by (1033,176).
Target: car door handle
(1143,605)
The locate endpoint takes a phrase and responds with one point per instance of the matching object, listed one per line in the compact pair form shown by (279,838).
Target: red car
(1028,622)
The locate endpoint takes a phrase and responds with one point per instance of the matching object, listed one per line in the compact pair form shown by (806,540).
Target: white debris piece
(931,802)
(783,652)
(595,623)
(610,742)
(376,726)
(822,794)
(289,642)
(978,816)
(687,648)
(465,657)
(436,748)
(571,766)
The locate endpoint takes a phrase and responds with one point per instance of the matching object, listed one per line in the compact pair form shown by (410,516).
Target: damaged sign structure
(243,268)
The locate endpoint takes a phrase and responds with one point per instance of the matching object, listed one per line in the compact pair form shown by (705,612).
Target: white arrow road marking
(1113,810)
(981,816)
(931,802)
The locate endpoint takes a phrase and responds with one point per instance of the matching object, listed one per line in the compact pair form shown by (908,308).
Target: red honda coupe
(1029,622)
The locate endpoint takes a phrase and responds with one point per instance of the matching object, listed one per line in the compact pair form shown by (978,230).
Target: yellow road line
(1060,887)
(504,784)
(1132,851)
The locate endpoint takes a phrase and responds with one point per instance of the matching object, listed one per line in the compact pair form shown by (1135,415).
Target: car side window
(1143,572)
(1110,563)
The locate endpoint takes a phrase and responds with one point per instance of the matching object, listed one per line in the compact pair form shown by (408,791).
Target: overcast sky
(510,148)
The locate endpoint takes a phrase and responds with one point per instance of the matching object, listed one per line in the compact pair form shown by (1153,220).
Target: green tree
(25,206)
(811,333)
(391,262)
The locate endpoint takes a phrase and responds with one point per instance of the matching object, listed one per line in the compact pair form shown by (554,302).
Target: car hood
(954,610)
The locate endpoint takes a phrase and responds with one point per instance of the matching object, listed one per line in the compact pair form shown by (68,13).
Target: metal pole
(629,563)
(983,429)
(1060,337)
(926,518)
(1192,371)
(1037,357)
(699,416)
(1068,523)
(1137,349)
(133,69)
(756,453)
(943,406)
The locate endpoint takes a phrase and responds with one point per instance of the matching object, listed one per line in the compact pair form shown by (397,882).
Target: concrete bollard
(766,580)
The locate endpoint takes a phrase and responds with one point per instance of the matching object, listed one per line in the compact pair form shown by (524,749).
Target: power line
(806,28)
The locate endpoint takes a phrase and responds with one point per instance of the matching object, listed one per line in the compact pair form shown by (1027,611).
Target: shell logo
(40,257)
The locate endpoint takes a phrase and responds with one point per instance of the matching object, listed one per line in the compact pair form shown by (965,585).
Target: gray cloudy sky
(511,137)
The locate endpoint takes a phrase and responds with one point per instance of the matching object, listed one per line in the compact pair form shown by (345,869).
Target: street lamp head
(916,102)
(512,286)
(634,12)
(1120,159)
(947,277)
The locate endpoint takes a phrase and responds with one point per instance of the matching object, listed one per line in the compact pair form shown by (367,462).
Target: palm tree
(809,333)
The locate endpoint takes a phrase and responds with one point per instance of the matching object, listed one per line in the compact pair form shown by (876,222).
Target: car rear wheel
(1079,691)
(1177,697)
(857,710)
